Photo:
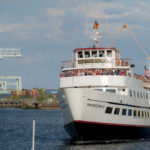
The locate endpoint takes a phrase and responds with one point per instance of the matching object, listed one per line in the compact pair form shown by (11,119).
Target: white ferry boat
(101,98)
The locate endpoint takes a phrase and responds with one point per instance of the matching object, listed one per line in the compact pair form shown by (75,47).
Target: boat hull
(80,130)
(85,117)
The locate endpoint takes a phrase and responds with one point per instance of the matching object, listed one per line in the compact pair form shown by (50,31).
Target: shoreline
(30,104)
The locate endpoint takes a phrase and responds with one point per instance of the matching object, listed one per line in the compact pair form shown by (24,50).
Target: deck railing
(68,64)
(117,62)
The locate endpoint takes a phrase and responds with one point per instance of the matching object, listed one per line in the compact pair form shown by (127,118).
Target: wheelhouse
(99,57)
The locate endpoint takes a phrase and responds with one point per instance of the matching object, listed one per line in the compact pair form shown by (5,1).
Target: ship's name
(95,105)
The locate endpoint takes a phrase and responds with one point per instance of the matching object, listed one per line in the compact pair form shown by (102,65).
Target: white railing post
(33,135)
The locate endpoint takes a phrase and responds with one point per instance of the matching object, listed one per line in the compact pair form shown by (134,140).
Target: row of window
(99,53)
(129,112)
(138,94)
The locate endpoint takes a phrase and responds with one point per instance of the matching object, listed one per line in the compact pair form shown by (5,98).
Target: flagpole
(149,68)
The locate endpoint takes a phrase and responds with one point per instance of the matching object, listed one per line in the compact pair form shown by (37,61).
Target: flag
(96,25)
(146,71)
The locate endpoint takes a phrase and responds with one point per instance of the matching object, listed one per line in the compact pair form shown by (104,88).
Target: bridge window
(109,53)
(94,53)
(101,53)
(87,54)
(80,55)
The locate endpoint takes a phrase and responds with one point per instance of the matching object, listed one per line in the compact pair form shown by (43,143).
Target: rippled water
(16,133)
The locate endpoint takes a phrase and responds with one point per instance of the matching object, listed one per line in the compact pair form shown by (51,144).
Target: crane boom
(126,27)
(143,50)
(145,53)
(9,52)
(114,40)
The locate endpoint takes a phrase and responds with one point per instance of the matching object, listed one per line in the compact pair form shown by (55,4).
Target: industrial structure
(4,53)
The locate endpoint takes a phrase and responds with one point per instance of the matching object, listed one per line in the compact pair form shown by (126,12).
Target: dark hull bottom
(91,131)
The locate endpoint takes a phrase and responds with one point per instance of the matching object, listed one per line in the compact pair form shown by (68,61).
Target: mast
(97,35)
(93,31)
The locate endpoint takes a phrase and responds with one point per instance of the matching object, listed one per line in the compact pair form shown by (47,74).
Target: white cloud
(51,23)
(55,32)
(9,28)
(112,10)
(55,12)
(38,58)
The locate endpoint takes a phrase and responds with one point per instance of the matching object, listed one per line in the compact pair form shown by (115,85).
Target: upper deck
(99,57)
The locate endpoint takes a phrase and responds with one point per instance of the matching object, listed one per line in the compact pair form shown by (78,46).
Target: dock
(28,104)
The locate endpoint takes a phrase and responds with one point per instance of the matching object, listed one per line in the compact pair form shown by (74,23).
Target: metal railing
(117,62)
(68,64)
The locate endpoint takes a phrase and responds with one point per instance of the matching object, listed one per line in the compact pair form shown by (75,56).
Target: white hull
(89,106)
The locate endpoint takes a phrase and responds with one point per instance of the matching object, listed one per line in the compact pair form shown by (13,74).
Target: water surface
(16,133)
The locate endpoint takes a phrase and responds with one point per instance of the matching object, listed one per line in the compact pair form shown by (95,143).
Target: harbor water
(16,133)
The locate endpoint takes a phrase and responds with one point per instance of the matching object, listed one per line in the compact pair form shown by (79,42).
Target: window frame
(135,113)
(117,111)
(108,110)
(109,54)
(85,55)
(101,52)
(124,111)
(129,112)
(94,54)
(130,93)
(80,54)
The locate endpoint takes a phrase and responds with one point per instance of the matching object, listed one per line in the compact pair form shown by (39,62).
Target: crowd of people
(143,78)
(93,72)
(96,72)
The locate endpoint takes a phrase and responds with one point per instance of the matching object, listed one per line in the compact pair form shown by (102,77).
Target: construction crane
(10,52)
(143,50)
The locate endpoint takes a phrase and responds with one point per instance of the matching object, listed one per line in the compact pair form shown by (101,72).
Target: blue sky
(43,32)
